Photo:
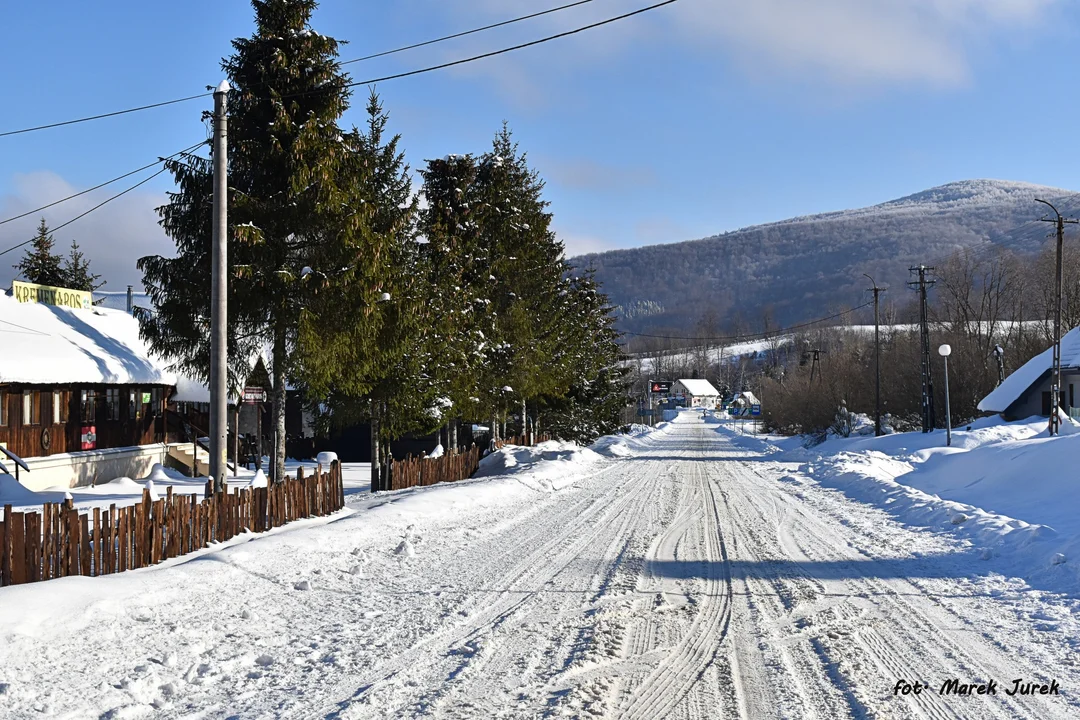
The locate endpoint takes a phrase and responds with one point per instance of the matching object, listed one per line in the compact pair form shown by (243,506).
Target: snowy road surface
(691,579)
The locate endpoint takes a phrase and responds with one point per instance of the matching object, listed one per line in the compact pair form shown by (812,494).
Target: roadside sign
(755,410)
(645,413)
(254,394)
(660,386)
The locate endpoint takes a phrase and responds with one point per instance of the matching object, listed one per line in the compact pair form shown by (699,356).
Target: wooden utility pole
(924,332)
(219,318)
(877,356)
(1055,381)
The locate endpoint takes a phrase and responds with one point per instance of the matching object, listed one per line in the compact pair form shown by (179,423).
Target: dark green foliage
(40,264)
(77,273)
(297,223)
(589,353)
(375,309)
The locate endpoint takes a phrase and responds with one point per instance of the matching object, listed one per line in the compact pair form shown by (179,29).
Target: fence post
(96,570)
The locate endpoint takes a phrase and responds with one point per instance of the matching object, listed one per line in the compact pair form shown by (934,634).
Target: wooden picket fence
(417,471)
(522,440)
(60,541)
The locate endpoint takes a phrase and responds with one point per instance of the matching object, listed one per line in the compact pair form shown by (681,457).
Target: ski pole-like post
(219,421)
(944,351)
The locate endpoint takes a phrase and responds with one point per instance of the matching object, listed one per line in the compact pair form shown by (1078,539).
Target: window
(3,408)
(31,410)
(57,404)
(89,405)
(134,404)
(155,398)
(112,403)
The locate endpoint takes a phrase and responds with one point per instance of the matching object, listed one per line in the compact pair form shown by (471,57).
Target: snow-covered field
(680,572)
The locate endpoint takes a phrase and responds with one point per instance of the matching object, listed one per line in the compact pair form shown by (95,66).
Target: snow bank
(1004,488)
(548,466)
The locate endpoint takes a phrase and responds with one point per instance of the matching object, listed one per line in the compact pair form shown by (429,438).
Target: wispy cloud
(824,41)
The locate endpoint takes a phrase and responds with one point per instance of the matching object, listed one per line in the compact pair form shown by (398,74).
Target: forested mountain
(806,267)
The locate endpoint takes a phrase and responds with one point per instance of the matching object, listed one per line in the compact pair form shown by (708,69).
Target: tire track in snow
(663,690)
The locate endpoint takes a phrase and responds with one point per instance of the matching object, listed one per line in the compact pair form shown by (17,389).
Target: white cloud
(112,237)
(859,41)
(836,41)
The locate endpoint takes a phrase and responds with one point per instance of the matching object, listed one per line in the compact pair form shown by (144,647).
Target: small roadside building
(77,385)
(698,393)
(1026,392)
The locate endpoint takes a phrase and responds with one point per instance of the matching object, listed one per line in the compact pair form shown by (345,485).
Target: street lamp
(944,351)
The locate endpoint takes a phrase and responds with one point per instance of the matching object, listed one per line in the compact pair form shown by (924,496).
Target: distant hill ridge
(806,266)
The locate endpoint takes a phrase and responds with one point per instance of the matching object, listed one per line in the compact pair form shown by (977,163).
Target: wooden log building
(76,379)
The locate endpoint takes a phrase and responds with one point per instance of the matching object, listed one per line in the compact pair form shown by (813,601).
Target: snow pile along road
(1003,488)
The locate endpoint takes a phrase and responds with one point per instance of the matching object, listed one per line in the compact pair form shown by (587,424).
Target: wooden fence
(416,471)
(60,541)
(522,440)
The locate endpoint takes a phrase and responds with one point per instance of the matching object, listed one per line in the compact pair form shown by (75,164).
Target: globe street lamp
(944,351)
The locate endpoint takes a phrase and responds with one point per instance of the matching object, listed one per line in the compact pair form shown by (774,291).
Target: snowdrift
(548,466)
(1006,489)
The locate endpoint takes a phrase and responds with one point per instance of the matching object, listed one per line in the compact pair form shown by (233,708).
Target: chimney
(130,301)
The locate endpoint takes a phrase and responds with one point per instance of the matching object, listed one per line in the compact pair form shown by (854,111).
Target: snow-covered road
(690,579)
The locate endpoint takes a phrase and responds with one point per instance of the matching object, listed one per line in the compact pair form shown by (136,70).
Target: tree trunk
(387,459)
(236,436)
(387,466)
(453,436)
(524,424)
(376,477)
(277,463)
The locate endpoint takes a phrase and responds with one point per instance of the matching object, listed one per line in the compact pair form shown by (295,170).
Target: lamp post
(944,351)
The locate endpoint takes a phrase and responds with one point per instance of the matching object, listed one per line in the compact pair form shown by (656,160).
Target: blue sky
(700,117)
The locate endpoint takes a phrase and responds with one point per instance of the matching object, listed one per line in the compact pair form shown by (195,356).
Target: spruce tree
(77,273)
(455,268)
(591,359)
(369,362)
(525,269)
(40,264)
(298,226)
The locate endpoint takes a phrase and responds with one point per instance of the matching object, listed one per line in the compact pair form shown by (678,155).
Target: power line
(103,115)
(504,50)
(98,187)
(754,336)
(84,214)
(363,82)
(467,32)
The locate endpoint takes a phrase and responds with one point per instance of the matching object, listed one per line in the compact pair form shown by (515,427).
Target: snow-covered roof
(746,398)
(699,388)
(46,344)
(1010,390)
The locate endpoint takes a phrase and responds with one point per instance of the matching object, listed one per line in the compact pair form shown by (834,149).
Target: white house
(698,393)
(1026,391)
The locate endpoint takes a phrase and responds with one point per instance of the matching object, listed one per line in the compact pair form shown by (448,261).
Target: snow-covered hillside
(801,265)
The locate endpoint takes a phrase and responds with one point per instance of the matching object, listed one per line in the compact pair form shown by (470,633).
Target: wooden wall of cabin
(120,417)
